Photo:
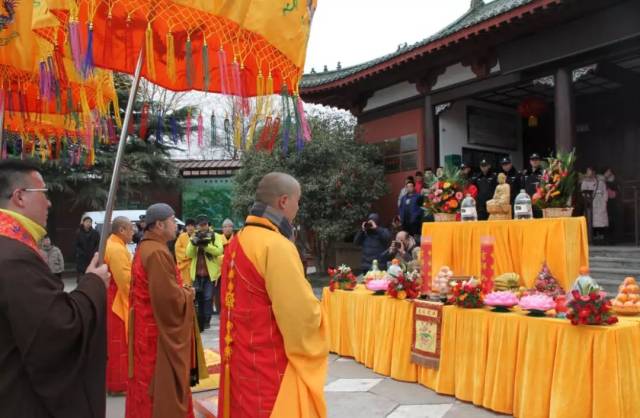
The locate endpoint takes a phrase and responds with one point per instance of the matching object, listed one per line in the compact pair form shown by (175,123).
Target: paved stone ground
(354,391)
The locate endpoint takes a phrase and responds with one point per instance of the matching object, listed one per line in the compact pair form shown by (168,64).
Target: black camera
(202,238)
(368,225)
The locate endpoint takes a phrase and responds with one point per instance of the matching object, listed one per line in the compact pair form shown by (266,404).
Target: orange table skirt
(521,246)
(506,362)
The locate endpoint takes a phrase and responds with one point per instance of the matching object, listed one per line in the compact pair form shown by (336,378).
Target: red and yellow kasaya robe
(118,259)
(273,336)
(161,335)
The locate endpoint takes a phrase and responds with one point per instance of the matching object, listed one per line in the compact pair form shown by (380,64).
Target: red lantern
(531,108)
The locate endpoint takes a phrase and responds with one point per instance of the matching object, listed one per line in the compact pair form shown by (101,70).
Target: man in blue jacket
(374,240)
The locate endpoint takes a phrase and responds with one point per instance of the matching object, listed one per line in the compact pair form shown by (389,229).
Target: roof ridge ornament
(476,4)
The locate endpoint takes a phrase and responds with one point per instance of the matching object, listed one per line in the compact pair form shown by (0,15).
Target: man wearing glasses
(52,343)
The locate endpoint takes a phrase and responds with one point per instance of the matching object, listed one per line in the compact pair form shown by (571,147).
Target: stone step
(629,263)
(615,252)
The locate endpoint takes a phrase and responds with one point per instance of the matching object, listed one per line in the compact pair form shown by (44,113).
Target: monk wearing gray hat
(162,335)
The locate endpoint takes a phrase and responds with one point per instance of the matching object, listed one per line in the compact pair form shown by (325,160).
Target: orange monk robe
(184,262)
(118,258)
(299,318)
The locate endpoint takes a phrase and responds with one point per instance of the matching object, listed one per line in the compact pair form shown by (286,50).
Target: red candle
(487,261)
(426,246)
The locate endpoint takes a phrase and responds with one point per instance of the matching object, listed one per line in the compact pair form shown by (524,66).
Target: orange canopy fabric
(240,47)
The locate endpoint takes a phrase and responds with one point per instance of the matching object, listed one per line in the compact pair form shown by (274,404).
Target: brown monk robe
(162,338)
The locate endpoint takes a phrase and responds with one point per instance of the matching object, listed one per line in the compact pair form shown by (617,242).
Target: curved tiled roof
(471,18)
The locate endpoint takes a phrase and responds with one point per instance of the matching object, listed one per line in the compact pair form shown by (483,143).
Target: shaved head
(281,192)
(122,227)
(274,185)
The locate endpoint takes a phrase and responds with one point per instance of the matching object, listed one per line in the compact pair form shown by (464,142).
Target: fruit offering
(547,284)
(501,298)
(537,303)
(627,302)
(585,283)
(507,281)
(441,283)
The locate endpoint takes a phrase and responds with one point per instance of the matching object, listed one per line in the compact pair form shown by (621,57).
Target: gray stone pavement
(354,391)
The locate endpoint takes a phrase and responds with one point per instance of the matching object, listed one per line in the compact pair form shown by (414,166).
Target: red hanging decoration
(531,108)
(487,261)
(144,121)
(426,245)
(200,131)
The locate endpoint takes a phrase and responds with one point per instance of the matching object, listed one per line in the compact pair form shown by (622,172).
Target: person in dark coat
(52,343)
(87,242)
(410,210)
(531,178)
(374,240)
(486,182)
(513,177)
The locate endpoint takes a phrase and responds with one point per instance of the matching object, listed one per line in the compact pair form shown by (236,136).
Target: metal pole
(2,101)
(106,226)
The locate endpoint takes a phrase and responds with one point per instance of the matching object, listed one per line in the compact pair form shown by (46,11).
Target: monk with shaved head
(118,258)
(273,335)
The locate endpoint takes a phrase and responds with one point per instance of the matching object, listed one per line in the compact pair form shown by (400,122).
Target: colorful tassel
(174,129)
(45,80)
(107,50)
(75,45)
(171,58)
(144,121)
(274,134)
(84,102)
(159,127)
(150,57)
(224,71)
(116,111)
(287,120)
(213,130)
(306,131)
(200,131)
(205,65)
(112,131)
(299,135)
(188,59)
(246,108)
(188,132)
(87,66)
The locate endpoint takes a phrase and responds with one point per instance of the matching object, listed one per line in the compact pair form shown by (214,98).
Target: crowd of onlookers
(599,199)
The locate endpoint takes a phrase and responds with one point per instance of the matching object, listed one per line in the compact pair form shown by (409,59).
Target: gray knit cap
(158,212)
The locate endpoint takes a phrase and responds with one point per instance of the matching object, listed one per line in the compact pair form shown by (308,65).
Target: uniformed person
(486,182)
(513,178)
(531,178)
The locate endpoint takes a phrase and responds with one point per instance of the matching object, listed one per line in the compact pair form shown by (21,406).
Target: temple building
(509,77)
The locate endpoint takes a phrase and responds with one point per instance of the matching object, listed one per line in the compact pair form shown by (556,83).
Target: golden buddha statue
(499,207)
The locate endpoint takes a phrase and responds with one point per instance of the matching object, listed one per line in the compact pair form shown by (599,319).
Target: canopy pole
(106,226)
(2,101)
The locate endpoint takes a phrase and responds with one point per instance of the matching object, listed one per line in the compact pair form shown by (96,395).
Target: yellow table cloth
(506,362)
(521,246)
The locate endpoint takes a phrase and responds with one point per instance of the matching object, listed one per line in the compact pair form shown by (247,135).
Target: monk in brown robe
(162,338)
(52,343)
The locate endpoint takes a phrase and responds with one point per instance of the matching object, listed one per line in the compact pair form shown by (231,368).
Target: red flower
(583,313)
(575,294)
(593,296)
(612,320)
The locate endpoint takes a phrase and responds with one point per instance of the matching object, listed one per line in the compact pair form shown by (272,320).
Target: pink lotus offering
(377,285)
(501,298)
(537,303)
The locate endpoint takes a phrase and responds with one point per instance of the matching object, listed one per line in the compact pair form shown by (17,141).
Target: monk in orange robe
(118,258)
(273,335)
(162,341)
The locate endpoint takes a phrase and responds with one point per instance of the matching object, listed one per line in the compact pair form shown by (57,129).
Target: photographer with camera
(404,248)
(205,249)
(374,239)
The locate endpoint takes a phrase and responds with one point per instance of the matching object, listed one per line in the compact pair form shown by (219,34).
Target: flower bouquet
(405,285)
(590,307)
(445,195)
(342,278)
(547,284)
(557,184)
(467,294)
